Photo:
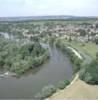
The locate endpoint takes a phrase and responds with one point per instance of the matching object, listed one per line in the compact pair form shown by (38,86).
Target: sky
(12,8)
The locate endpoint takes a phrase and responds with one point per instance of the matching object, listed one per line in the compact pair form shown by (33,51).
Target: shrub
(96,40)
(70,39)
(77,64)
(89,73)
(63,84)
(46,92)
(97,56)
(83,44)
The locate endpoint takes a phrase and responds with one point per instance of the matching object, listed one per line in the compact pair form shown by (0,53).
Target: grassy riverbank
(89,48)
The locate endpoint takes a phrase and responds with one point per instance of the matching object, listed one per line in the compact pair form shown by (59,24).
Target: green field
(89,48)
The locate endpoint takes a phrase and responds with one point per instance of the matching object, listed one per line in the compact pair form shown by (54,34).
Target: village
(82,32)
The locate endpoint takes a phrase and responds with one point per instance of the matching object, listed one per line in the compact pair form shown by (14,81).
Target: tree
(88,33)
(97,56)
(46,92)
(96,40)
(19,58)
(82,32)
(63,84)
(97,25)
(89,73)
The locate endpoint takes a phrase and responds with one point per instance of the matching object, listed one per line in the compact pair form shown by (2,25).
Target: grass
(89,48)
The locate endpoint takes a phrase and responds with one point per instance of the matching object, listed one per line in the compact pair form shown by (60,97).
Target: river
(56,69)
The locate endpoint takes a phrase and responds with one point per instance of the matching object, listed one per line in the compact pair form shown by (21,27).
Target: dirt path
(75,52)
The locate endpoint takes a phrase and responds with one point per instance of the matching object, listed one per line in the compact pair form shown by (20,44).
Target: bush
(46,92)
(63,84)
(70,39)
(97,56)
(89,73)
(96,40)
(83,44)
(77,64)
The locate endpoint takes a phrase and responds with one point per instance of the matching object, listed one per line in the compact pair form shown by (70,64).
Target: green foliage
(63,84)
(96,25)
(89,73)
(70,39)
(77,63)
(73,58)
(51,39)
(18,57)
(97,56)
(82,32)
(46,92)
(49,90)
(96,40)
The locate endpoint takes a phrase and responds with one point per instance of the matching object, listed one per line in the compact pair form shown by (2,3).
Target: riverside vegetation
(17,57)
(87,72)
(73,58)
(49,90)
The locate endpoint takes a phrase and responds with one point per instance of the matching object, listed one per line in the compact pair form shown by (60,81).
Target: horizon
(23,8)
(48,16)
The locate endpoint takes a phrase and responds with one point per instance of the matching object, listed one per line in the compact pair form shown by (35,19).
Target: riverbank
(89,48)
(58,68)
(78,89)
(38,61)
(18,58)
(60,91)
(76,76)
